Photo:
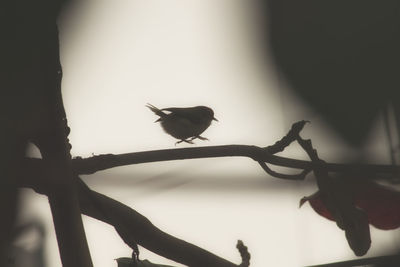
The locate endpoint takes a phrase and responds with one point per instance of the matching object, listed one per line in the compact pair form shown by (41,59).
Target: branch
(259,154)
(300,176)
(244,254)
(338,200)
(133,227)
(262,155)
(89,166)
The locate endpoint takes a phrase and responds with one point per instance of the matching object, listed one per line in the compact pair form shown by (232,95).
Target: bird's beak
(215,119)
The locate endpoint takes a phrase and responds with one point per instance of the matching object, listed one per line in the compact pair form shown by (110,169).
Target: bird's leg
(202,138)
(178,142)
(184,140)
(198,137)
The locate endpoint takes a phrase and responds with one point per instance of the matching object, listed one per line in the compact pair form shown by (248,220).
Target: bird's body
(185,124)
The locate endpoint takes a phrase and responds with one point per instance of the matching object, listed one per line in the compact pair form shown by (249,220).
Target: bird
(185,124)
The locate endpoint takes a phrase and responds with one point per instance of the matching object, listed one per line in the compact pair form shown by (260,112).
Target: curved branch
(300,176)
(135,228)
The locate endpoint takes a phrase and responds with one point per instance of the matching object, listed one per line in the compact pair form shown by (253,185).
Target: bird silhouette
(185,124)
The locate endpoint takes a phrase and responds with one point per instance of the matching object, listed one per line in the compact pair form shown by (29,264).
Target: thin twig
(289,138)
(300,176)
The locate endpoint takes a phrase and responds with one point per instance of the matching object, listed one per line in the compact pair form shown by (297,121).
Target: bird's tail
(157,111)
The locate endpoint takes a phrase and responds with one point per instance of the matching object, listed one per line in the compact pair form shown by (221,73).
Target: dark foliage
(341,57)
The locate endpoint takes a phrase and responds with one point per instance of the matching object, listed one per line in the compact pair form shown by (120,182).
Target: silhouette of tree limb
(133,227)
(259,154)
(102,162)
(51,138)
(300,176)
(338,200)
(63,197)
(262,155)
(31,110)
(136,229)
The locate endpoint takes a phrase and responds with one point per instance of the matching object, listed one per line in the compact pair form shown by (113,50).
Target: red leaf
(381,204)
(316,203)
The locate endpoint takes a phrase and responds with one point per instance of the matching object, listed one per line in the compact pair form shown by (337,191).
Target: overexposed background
(119,55)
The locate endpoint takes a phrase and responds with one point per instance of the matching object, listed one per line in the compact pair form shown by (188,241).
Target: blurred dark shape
(30,74)
(129,262)
(382,261)
(28,248)
(195,183)
(341,57)
(31,64)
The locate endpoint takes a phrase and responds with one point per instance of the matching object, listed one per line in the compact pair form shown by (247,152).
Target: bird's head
(206,113)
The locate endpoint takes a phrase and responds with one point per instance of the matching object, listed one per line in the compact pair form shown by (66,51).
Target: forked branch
(133,227)
(136,229)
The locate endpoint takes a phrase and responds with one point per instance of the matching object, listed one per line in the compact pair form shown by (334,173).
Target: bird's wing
(186,113)
(175,110)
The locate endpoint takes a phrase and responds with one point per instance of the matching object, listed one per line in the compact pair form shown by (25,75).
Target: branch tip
(244,254)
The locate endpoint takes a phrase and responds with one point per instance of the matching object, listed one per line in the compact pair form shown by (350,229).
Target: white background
(119,55)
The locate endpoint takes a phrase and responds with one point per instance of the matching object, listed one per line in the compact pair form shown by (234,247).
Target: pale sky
(119,55)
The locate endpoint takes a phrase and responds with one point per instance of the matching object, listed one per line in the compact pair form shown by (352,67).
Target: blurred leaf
(381,204)
(126,262)
(341,57)
(359,203)
(347,217)
(129,262)
(146,263)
